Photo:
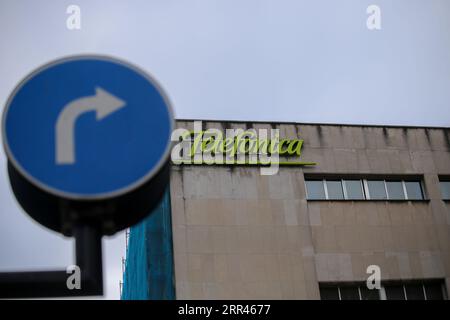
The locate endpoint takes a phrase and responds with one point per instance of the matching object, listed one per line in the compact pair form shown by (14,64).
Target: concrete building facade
(237,234)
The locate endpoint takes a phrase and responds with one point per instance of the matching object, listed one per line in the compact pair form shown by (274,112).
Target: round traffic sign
(89,130)
(87,127)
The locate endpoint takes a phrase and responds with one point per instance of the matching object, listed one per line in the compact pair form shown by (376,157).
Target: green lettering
(295,147)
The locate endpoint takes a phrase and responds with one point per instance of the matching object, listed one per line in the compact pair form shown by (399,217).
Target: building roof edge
(318,124)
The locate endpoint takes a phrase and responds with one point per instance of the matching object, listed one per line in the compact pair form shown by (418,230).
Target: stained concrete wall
(238,234)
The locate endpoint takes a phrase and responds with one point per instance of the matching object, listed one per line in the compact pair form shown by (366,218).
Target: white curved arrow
(103,102)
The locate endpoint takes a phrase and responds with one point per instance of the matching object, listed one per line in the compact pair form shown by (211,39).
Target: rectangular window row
(415,290)
(363,189)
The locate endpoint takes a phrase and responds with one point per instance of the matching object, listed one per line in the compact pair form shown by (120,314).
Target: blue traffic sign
(88,127)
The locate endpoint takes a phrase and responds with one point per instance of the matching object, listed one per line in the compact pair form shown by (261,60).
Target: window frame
(382,291)
(422,189)
(365,190)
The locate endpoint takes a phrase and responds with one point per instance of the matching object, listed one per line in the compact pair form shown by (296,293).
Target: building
(377,198)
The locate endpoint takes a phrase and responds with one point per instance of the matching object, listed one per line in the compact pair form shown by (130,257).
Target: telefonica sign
(235,147)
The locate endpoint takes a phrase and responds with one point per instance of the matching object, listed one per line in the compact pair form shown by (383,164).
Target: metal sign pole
(54,283)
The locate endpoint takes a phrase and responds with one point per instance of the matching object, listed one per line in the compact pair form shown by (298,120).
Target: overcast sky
(304,61)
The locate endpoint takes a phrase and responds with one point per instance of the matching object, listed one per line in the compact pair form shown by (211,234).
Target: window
(377,189)
(348,292)
(354,189)
(369,294)
(363,189)
(395,190)
(329,293)
(315,189)
(445,190)
(411,290)
(415,292)
(434,291)
(334,189)
(414,190)
(394,292)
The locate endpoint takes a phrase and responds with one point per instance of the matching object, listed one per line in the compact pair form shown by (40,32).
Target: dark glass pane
(315,190)
(395,292)
(434,291)
(349,293)
(414,292)
(414,190)
(445,190)
(354,189)
(395,190)
(329,293)
(368,294)
(335,190)
(376,189)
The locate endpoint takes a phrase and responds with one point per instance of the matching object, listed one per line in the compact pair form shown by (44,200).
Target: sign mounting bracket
(88,248)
